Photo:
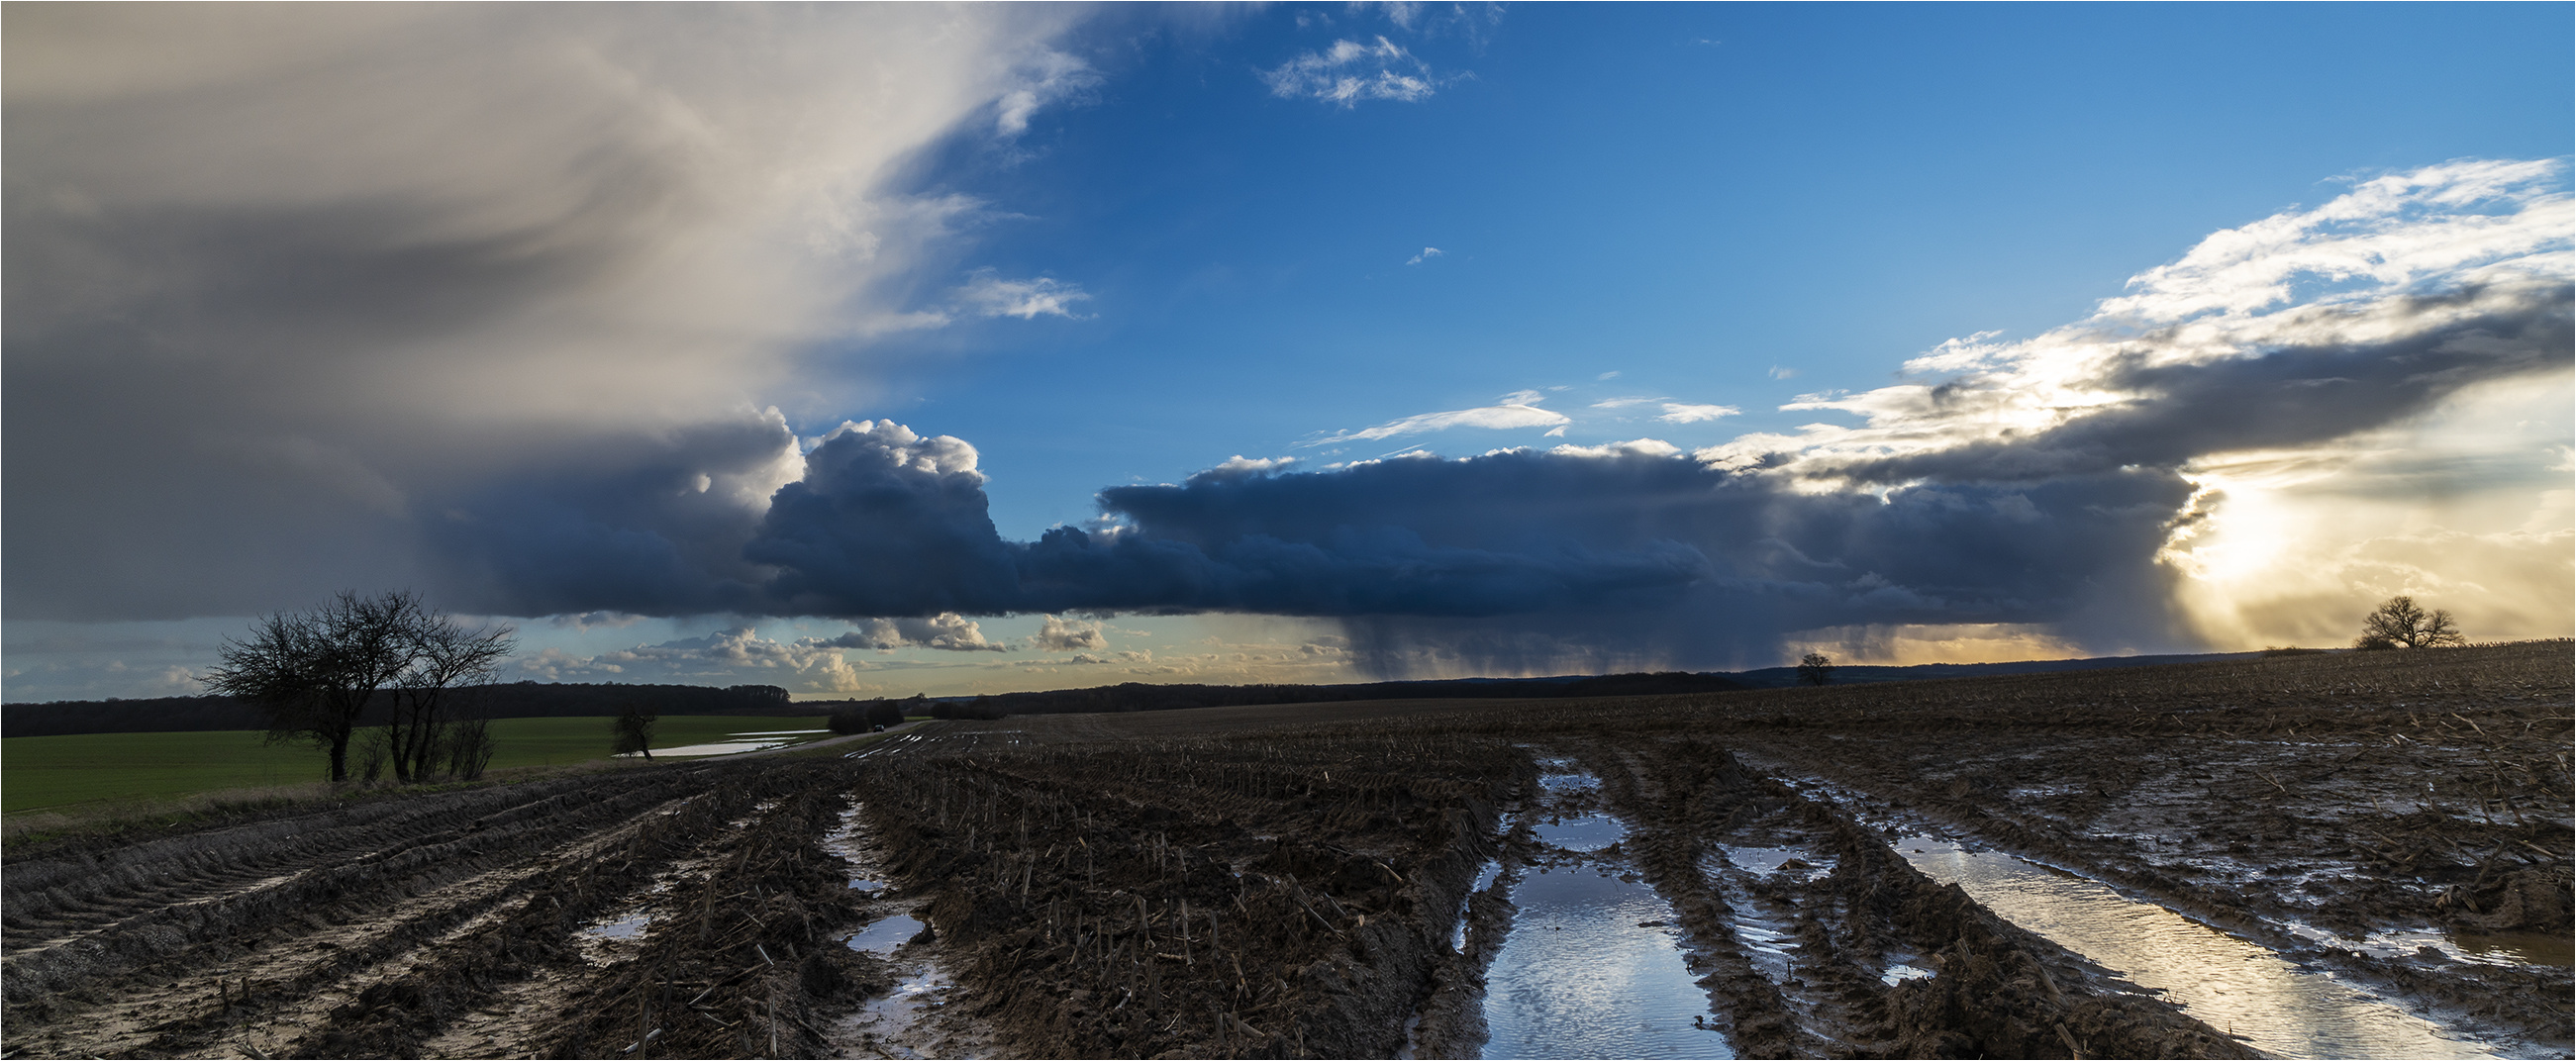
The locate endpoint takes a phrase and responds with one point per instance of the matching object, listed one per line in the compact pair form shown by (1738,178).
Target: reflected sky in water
(885,934)
(1578,976)
(2229,984)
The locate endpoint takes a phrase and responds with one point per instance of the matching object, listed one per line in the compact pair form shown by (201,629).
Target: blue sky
(503,298)
(1690,196)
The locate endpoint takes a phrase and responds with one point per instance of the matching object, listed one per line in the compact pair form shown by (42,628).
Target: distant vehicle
(880,729)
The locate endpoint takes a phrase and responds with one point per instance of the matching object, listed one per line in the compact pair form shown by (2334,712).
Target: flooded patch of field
(738,743)
(2227,983)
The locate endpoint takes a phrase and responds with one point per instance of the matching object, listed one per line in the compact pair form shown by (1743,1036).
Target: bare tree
(446,659)
(634,730)
(469,747)
(1816,669)
(315,670)
(2400,623)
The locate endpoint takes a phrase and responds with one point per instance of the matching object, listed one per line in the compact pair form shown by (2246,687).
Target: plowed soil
(1288,880)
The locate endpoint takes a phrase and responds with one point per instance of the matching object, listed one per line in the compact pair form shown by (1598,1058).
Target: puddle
(894,1025)
(1765,861)
(1580,977)
(2233,986)
(631,926)
(1586,834)
(883,935)
(1900,973)
(844,841)
(736,744)
(2518,950)
(1592,966)
(1484,879)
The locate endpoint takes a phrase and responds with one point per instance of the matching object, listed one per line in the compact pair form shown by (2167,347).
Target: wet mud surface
(1380,880)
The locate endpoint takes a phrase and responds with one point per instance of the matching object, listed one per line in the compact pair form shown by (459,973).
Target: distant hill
(1780,677)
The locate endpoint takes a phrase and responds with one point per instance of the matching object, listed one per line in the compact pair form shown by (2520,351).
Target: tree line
(1137,696)
(527,699)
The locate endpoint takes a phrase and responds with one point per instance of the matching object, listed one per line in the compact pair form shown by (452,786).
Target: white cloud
(1056,635)
(1681,413)
(946,631)
(736,656)
(1606,376)
(1778,372)
(1427,254)
(1622,403)
(1638,447)
(1517,409)
(1350,71)
(989,295)
(1240,465)
(2494,236)
(1047,77)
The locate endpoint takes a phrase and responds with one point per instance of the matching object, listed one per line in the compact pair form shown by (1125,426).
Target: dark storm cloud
(1568,547)
(461,298)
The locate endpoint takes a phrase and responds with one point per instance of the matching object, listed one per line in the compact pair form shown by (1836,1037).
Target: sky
(867,350)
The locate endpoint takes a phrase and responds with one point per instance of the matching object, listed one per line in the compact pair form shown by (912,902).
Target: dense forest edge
(529,699)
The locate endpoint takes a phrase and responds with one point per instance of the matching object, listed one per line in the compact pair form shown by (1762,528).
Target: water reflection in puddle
(630,926)
(2513,949)
(885,934)
(1589,833)
(1580,977)
(2227,983)
(1591,967)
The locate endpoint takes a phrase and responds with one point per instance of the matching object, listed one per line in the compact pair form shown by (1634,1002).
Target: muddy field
(1402,878)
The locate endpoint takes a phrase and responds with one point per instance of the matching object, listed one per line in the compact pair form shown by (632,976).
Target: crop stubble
(1284,881)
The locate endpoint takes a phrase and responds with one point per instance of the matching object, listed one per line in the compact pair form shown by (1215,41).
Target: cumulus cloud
(731,656)
(354,283)
(1351,71)
(1517,409)
(1427,254)
(989,295)
(1056,635)
(946,631)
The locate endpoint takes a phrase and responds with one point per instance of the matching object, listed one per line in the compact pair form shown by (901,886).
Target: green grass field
(52,772)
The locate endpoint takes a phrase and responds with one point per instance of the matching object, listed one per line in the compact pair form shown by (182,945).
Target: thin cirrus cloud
(1673,412)
(989,295)
(1351,71)
(1515,410)
(1685,413)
